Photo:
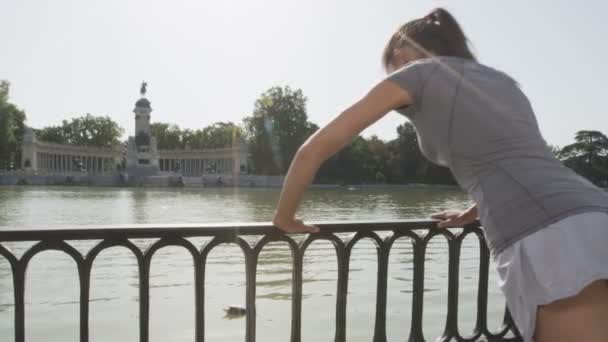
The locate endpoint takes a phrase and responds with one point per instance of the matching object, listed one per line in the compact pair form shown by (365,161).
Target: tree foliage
(87,130)
(588,156)
(12,129)
(276,129)
(217,135)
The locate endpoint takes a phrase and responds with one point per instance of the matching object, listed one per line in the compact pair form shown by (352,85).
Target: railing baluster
(251,260)
(482,288)
(84,273)
(416,334)
(343,257)
(199,297)
(296,295)
(19,291)
(381,289)
(451,326)
(144,299)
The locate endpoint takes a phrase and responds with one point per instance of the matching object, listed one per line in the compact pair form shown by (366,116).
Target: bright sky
(208,60)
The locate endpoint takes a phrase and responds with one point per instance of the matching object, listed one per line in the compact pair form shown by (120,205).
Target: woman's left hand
(294,226)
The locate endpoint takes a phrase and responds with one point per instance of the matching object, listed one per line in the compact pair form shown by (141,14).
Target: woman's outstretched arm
(324,143)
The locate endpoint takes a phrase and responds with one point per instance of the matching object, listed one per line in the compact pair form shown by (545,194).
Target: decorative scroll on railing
(420,232)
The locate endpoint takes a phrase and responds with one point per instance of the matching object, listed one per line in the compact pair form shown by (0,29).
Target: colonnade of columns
(59,162)
(198,167)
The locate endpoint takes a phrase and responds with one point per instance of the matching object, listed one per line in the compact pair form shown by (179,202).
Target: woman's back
(476,120)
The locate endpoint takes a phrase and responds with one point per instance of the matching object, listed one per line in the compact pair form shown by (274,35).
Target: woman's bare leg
(583,317)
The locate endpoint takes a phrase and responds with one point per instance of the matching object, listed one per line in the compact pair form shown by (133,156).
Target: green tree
(407,163)
(12,128)
(380,156)
(276,129)
(588,156)
(88,130)
(168,136)
(53,134)
(217,135)
(407,159)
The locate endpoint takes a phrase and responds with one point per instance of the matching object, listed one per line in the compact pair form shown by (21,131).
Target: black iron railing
(420,232)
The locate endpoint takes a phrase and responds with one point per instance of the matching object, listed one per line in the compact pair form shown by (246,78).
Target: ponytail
(452,34)
(436,34)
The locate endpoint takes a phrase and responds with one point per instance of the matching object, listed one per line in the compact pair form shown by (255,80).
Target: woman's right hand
(453,218)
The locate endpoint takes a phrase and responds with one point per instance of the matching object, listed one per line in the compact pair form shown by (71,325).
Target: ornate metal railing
(420,232)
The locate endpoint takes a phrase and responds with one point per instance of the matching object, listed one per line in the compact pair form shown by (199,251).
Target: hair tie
(432,18)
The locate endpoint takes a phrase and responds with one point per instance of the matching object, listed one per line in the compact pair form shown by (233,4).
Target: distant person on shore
(547,227)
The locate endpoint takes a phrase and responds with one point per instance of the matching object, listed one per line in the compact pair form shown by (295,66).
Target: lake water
(52,282)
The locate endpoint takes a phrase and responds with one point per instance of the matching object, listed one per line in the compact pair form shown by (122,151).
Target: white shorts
(553,263)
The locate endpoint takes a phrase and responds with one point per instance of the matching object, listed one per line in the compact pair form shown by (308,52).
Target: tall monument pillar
(28,151)
(142,152)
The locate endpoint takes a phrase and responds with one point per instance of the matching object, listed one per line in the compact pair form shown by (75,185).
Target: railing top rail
(202,230)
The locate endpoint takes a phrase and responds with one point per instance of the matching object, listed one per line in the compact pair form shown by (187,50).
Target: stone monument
(142,152)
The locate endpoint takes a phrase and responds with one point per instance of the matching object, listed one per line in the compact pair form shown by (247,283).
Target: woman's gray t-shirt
(476,121)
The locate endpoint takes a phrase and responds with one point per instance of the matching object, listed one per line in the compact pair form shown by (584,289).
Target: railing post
(19,291)
(481,325)
(199,297)
(296,300)
(416,334)
(451,326)
(251,261)
(84,273)
(381,289)
(144,299)
(343,256)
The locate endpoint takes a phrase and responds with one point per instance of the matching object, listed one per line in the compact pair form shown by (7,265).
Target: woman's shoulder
(465,66)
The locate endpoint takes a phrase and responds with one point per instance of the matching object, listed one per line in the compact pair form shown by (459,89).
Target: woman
(547,228)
